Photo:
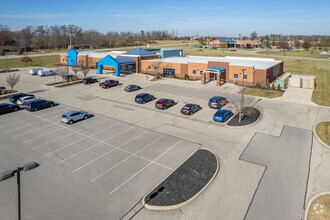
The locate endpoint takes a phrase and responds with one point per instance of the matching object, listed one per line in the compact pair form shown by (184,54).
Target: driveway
(298,96)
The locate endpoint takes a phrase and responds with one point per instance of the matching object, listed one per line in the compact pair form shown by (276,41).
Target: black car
(89,80)
(39,104)
(13,98)
(4,108)
(131,88)
(217,102)
(143,98)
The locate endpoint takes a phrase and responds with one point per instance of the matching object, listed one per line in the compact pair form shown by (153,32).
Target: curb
(317,137)
(243,126)
(312,200)
(164,208)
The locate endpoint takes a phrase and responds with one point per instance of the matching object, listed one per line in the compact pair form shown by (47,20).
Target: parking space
(110,154)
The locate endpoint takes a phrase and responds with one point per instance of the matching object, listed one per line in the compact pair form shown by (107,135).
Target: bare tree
(254,35)
(75,69)
(61,71)
(238,103)
(84,70)
(12,80)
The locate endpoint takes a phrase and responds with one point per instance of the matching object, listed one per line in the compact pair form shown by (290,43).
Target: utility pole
(6,61)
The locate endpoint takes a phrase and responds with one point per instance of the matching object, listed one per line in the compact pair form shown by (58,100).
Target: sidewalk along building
(221,69)
(173,62)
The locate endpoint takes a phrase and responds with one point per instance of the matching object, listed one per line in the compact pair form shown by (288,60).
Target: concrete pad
(281,191)
(298,95)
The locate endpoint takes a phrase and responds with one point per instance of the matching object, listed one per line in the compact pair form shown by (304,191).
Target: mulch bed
(252,114)
(186,181)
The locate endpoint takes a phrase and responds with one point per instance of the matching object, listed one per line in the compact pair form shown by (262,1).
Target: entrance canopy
(116,62)
(211,73)
(214,69)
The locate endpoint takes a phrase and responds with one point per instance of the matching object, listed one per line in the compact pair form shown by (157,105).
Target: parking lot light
(9,174)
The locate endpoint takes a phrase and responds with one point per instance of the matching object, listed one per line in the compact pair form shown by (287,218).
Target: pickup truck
(109,83)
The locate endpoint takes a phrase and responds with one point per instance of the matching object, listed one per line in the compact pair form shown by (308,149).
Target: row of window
(155,67)
(236,76)
(168,71)
(200,72)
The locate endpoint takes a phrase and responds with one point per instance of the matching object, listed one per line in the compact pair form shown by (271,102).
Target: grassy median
(38,61)
(296,53)
(262,92)
(320,208)
(322,130)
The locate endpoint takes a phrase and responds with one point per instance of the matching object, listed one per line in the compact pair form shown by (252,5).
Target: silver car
(73,116)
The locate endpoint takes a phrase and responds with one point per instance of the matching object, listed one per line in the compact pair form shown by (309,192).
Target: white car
(35,71)
(45,72)
(25,99)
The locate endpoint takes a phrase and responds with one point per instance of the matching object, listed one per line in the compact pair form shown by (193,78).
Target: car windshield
(64,116)
(220,113)
(187,107)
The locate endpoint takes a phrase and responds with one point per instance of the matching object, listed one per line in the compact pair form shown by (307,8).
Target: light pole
(10,173)
(242,103)
(6,61)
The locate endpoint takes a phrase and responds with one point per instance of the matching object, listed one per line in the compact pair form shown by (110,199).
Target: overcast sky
(217,18)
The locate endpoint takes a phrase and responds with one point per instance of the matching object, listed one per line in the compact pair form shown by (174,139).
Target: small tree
(84,70)
(75,69)
(61,71)
(268,85)
(273,86)
(12,80)
(257,85)
(19,52)
(26,59)
(306,45)
(2,53)
(278,87)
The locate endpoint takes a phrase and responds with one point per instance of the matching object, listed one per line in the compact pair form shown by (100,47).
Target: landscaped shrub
(186,76)
(268,85)
(258,85)
(278,87)
(273,86)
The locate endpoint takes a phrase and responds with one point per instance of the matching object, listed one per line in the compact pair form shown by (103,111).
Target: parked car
(2,88)
(89,80)
(217,102)
(38,104)
(164,103)
(70,77)
(5,108)
(73,116)
(25,99)
(131,88)
(13,98)
(34,71)
(43,72)
(222,115)
(143,98)
(190,109)
(109,83)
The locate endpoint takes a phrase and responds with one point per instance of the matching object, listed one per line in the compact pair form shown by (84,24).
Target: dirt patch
(320,208)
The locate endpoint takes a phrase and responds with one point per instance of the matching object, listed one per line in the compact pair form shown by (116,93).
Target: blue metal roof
(227,40)
(217,68)
(139,52)
(123,60)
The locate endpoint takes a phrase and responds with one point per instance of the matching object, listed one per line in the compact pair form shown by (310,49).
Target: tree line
(60,37)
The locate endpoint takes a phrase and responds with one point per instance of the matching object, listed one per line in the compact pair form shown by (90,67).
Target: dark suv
(217,102)
(13,98)
(39,104)
(89,80)
(143,98)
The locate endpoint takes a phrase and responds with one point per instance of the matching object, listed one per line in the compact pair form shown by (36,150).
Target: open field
(320,208)
(296,53)
(39,61)
(323,131)
(262,93)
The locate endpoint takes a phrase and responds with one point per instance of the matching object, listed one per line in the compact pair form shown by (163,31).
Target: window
(236,75)
(201,72)
(149,67)
(245,76)
(168,71)
(155,67)
(194,72)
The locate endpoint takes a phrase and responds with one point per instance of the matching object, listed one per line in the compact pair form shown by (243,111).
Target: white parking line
(27,125)
(32,131)
(143,168)
(79,140)
(122,160)
(65,135)
(198,113)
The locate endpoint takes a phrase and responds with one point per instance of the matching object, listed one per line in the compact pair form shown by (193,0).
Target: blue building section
(116,62)
(228,40)
(139,52)
(72,57)
(171,53)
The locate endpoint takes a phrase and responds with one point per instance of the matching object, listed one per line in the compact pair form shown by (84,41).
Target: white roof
(258,63)
(114,54)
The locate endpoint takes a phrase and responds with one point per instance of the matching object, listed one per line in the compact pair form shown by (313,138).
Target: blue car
(222,115)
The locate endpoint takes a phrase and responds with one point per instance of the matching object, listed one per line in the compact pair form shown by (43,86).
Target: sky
(208,17)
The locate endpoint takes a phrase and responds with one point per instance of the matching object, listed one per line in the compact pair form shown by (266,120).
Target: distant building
(230,43)
(15,49)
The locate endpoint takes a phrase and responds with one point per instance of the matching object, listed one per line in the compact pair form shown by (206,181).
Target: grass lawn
(262,93)
(39,61)
(320,208)
(296,53)
(323,131)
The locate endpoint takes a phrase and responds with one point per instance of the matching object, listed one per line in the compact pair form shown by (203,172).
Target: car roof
(216,97)
(71,112)
(222,111)
(143,94)
(189,104)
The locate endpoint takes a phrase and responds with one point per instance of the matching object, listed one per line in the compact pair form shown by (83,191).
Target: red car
(109,83)
(89,80)
(190,109)
(164,103)
(4,108)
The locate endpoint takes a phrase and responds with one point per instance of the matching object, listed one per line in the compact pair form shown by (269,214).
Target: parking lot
(124,160)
